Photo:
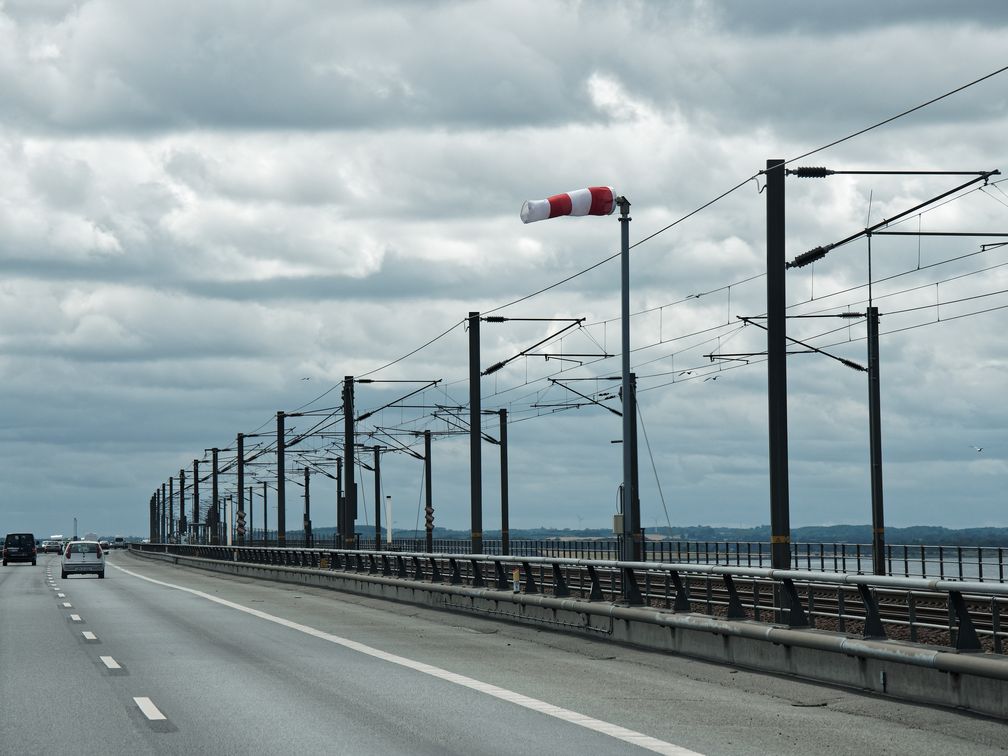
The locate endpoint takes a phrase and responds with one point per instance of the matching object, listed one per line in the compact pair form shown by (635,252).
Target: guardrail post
(596,587)
(873,621)
(681,602)
(631,593)
(996,625)
(401,567)
(435,572)
(386,570)
(966,636)
(735,610)
(502,581)
(795,612)
(530,584)
(560,589)
(478,581)
(456,574)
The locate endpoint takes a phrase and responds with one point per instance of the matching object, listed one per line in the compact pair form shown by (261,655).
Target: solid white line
(75,617)
(148,708)
(109,662)
(590,723)
(88,635)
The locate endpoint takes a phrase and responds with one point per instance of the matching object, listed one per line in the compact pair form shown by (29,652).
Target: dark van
(19,547)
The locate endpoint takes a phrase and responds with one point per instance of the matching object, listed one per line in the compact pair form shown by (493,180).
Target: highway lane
(231,682)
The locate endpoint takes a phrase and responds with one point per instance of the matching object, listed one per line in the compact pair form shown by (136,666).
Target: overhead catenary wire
(671,225)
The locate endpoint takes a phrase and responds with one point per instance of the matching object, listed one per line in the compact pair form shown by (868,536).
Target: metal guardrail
(965,615)
(967,563)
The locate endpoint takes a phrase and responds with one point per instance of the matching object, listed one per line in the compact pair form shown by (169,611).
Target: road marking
(573,717)
(61,595)
(67,604)
(88,635)
(111,663)
(75,617)
(148,708)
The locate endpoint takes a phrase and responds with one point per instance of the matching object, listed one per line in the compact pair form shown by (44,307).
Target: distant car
(119,542)
(105,546)
(51,547)
(83,557)
(19,547)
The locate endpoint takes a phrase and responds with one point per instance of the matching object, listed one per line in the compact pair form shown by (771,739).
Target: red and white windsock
(595,200)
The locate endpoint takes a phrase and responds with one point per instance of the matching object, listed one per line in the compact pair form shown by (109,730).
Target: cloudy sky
(211,211)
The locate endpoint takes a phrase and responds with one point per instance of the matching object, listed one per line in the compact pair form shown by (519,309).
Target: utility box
(617,524)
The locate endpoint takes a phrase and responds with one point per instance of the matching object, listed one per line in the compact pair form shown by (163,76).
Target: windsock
(595,200)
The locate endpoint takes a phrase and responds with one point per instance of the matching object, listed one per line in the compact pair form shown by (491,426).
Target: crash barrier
(949,562)
(932,641)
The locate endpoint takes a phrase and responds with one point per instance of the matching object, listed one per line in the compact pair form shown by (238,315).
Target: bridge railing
(966,563)
(966,615)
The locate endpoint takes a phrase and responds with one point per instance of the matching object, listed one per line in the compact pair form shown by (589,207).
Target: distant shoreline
(927,535)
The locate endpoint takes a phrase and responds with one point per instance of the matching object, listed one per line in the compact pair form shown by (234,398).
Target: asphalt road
(162,659)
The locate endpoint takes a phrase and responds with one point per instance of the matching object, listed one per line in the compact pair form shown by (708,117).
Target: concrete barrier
(973,682)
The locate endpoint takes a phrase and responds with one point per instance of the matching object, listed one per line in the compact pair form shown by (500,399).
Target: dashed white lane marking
(573,717)
(67,604)
(88,635)
(75,617)
(61,595)
(148,708)
(109,662)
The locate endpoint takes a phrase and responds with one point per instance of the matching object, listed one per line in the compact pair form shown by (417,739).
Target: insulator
(810,172)
(494,319)
(493,368)
(809,257)
(853,365)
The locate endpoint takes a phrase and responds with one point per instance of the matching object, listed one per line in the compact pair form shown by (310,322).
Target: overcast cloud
(211,211)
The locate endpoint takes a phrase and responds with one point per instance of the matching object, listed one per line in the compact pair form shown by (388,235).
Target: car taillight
(67,555)
(99,552)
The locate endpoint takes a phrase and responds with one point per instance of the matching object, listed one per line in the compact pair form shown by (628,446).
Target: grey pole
(195,498)
(183,525)
(429,504)
(241,484)
(475,438)
(171,507)
(780,517)
(875,430)
(307,510)
(349,483)
(213,516)
(151,512)
(629,489)
(338,541)
(377,498)
(635,526)
(265,516)
(251,515)
(281,487)
(164,516)
(505,530)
